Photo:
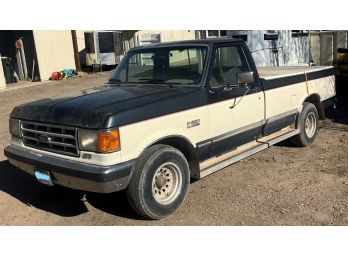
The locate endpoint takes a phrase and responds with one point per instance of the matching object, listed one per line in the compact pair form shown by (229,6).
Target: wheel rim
(166,183)
(310,125)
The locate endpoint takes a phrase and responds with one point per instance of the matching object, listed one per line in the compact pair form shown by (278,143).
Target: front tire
(308,124)
(159,182)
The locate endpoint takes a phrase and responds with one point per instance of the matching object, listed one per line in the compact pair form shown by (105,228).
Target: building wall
(315,48)
(2,76)
(54,51)
(340,41)
(173,35)
(324,45)
(290,50)
(166,36)
(80,35)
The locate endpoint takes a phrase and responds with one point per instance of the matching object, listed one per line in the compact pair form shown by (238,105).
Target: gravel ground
(283,185)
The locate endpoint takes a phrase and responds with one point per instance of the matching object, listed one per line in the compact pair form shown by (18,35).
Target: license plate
(43,177)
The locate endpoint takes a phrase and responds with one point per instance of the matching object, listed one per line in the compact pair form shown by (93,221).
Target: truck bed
(276,77)
(269,73)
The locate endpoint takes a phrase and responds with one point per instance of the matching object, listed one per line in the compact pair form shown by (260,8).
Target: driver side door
(236,114)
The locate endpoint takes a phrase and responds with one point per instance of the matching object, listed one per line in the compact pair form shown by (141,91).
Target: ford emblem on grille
(44,138)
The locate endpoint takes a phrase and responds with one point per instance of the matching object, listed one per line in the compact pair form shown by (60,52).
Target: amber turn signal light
(108,141)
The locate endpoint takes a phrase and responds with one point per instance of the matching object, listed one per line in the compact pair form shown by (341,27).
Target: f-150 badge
(193,123)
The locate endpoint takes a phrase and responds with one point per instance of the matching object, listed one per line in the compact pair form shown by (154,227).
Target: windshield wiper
(153,80)
(158,81)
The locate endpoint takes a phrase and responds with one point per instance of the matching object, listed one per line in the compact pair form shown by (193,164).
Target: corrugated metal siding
(80,35)
(54,51)
(174,35)
(315,48)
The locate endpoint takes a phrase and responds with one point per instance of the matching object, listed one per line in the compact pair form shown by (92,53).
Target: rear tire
(308,124)
(159,183)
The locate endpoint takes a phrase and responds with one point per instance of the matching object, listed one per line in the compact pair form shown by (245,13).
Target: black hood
(92,108)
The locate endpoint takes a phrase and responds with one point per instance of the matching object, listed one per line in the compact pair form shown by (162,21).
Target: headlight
(15,127)
(99,141)
(88,140)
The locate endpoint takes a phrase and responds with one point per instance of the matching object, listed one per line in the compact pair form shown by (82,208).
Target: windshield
(173,66)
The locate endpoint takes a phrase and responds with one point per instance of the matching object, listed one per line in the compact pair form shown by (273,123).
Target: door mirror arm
(229,88)
(246,92)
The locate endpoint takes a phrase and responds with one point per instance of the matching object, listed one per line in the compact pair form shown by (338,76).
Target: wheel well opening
(188,151)
(315,99)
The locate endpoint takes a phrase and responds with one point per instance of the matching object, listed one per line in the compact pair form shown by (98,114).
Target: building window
(106,42)
(216,33)
(244,37)
(223,33)
(212,33)
(271,36)
(299,33)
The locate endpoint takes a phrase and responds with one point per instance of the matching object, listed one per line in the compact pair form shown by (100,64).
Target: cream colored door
(236,113)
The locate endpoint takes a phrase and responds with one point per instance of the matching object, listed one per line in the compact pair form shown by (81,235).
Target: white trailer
(101,47)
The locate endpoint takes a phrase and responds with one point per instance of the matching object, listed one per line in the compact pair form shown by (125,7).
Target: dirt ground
(283,185)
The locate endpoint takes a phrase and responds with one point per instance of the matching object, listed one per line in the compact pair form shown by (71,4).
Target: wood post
(76,50)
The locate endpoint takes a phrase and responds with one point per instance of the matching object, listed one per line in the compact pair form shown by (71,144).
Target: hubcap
(166,183)
(310,125)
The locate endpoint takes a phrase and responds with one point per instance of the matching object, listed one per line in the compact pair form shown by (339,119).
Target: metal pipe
(19,64)
(32,70)
(24,62)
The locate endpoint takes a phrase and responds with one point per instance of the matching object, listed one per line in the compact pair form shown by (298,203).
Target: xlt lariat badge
(193,123)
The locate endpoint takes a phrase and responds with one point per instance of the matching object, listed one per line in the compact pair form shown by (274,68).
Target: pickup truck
(169,113)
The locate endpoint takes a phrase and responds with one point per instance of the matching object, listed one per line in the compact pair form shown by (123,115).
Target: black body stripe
(287,81)
(215,147)
(170,105)
(278,124)
(320,74)
(282,82)
(219,145)
(204,151)
(197,98)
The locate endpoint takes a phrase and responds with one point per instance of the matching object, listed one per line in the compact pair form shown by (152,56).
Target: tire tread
(134,189)
(301,139)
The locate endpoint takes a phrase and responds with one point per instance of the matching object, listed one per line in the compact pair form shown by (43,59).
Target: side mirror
(246,77)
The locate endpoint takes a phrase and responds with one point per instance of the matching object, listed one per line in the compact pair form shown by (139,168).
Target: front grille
(57,139)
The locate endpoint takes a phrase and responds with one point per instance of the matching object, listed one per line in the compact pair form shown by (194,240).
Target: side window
(228,62)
